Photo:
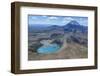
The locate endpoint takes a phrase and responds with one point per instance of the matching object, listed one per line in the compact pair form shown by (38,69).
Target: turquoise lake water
(51,48)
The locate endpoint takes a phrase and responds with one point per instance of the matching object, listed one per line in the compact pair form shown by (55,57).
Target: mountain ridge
(72,26)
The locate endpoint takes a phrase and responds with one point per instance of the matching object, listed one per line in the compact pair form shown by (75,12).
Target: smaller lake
(47,49)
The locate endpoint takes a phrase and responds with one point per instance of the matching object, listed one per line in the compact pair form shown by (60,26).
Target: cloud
(44,16)
(68,18)
(33,17)
(52,18)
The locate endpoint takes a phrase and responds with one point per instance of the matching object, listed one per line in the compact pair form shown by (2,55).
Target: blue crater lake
(47,49)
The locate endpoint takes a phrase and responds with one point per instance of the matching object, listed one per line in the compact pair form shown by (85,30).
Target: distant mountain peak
(73,26)
(73,22)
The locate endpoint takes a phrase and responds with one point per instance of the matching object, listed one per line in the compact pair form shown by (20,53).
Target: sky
(56,20)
